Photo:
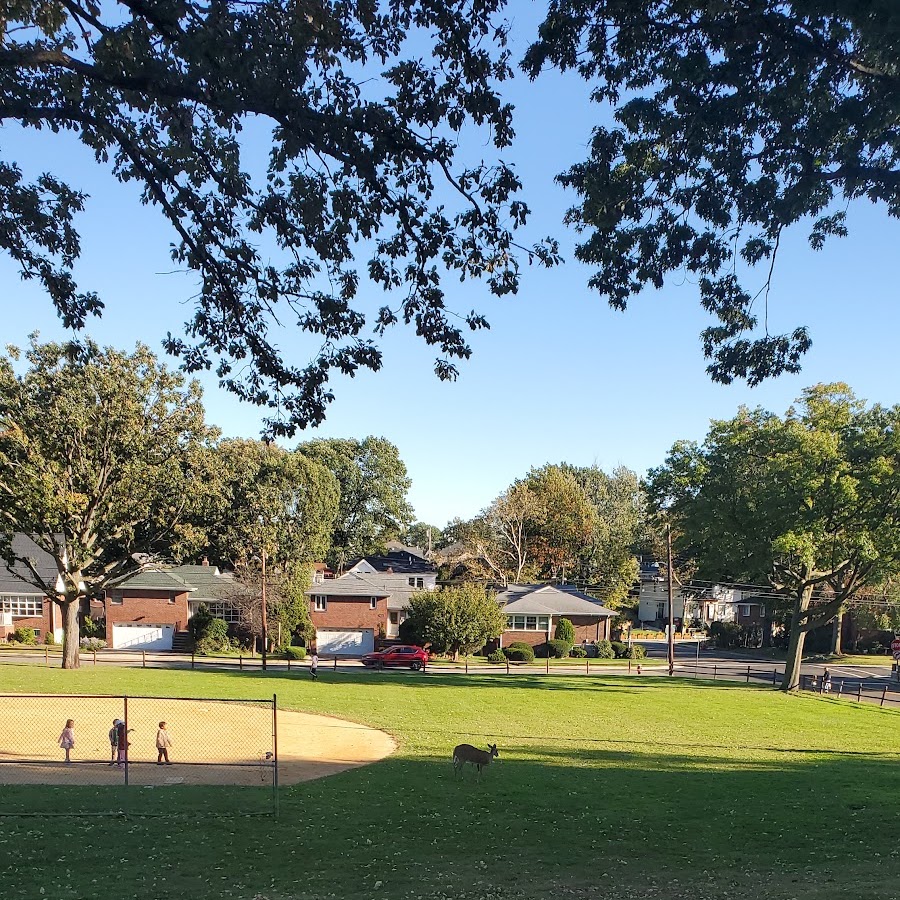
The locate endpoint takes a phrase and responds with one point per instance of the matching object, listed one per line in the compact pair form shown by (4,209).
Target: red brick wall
(40,623)
(152,607)
(350,612)
(587,628)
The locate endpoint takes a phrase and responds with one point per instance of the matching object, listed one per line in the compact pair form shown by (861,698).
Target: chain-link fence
(85,754)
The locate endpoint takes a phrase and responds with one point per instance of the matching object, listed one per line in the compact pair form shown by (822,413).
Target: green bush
(93,628)
(619,649)
(214,637)
(557,649)
(565,631)
(726,635)
(295,653)
(636,651)
(578,653)
(49,639)
(24,636)
(605,650)
(497,656)
(92,643)
(519,651)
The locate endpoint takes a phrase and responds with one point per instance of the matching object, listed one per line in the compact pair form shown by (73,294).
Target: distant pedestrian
(113,742)
(826,681)
(122,744)
(67,739)
(163,742)
(314,666)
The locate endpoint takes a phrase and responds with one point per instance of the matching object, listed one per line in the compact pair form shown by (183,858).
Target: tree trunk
(837,626)
(791,681)
(70,633)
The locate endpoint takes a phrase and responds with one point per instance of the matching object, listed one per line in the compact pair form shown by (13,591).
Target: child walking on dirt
(163,742)
(113,742)
(67,738)
(122,744)
(314,665)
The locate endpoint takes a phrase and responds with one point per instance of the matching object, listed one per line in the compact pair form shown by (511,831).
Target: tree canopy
(809,501)
(373,483)
(732,122)
(365,105)
(98,451)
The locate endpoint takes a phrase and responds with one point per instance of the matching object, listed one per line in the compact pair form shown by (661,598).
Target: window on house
(22,606)
(321,602)
(373,602)
(660,610)
(412,582)
(116,598)
(527,623)
(420,582)
(228,612)
(745,610)
(171,598)
(395,618)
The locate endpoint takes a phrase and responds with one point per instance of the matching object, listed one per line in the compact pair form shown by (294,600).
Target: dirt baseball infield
(213,742)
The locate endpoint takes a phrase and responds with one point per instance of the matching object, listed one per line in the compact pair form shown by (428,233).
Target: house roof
(400,562)
(201,582)
(350,585)
(549,599)
(24,546)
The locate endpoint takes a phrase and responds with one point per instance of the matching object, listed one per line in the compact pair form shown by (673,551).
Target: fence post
(192,659)
(95,657)
(547,667)
(859,693)
(840,688)
(748,674)
(241,661)
(467,664)
(715,671)
(507,665)
(289,664)
(587,665)
(883,695)
(275,752)
(774,676)
(125,714)
(629,665)
(335,664)
(143,659)
(46,657)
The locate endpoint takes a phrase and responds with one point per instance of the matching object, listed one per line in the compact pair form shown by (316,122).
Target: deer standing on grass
(466,753)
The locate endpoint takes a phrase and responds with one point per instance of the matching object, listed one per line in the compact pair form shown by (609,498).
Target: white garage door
(142,637)
(330,642)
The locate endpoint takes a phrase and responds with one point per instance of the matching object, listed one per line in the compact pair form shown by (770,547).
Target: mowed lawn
(608,787)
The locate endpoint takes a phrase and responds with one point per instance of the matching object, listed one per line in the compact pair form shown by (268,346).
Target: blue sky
(559,376)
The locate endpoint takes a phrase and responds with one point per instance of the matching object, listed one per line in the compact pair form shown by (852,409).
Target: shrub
(605,650)
(619,649)
(565,631)
(214,637)
(557,649)
(578,653)
(24,636)
(497,656)
(726,635)
(295,653)
(49,639)
(93,628)
(519,651)
(92,643)
(636,651)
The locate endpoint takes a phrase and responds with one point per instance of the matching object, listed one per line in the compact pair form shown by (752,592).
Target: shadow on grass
(542,818)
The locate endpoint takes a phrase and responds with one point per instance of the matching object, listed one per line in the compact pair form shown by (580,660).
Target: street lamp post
(265,622)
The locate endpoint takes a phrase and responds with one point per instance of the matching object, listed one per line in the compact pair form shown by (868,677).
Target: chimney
(205,561)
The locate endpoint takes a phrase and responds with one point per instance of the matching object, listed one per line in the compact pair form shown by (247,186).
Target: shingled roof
(349,585)
(549,599)
(23,546)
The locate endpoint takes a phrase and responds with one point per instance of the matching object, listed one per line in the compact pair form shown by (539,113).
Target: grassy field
(615,788)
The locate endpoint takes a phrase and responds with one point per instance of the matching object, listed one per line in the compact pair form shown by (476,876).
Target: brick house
(532,611)
(348,613)
(21,604)
(150,610)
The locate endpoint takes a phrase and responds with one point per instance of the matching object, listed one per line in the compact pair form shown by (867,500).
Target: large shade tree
(731,122)
(363,105)
(810,501)
(98,449)
(373,483)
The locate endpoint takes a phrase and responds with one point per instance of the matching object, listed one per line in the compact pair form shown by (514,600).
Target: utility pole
(265,621)
(671,602)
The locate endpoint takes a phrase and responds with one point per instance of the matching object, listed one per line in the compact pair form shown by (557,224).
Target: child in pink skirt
(67,738)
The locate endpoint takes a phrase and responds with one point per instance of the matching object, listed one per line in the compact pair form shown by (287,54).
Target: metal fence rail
(116,754)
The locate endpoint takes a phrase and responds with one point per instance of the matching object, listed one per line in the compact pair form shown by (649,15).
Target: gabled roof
(24,546)
(549,599)
(349,585)
(201,582)
(400,562)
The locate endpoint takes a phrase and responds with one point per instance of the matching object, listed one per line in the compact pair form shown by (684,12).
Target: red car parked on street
(403,655)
